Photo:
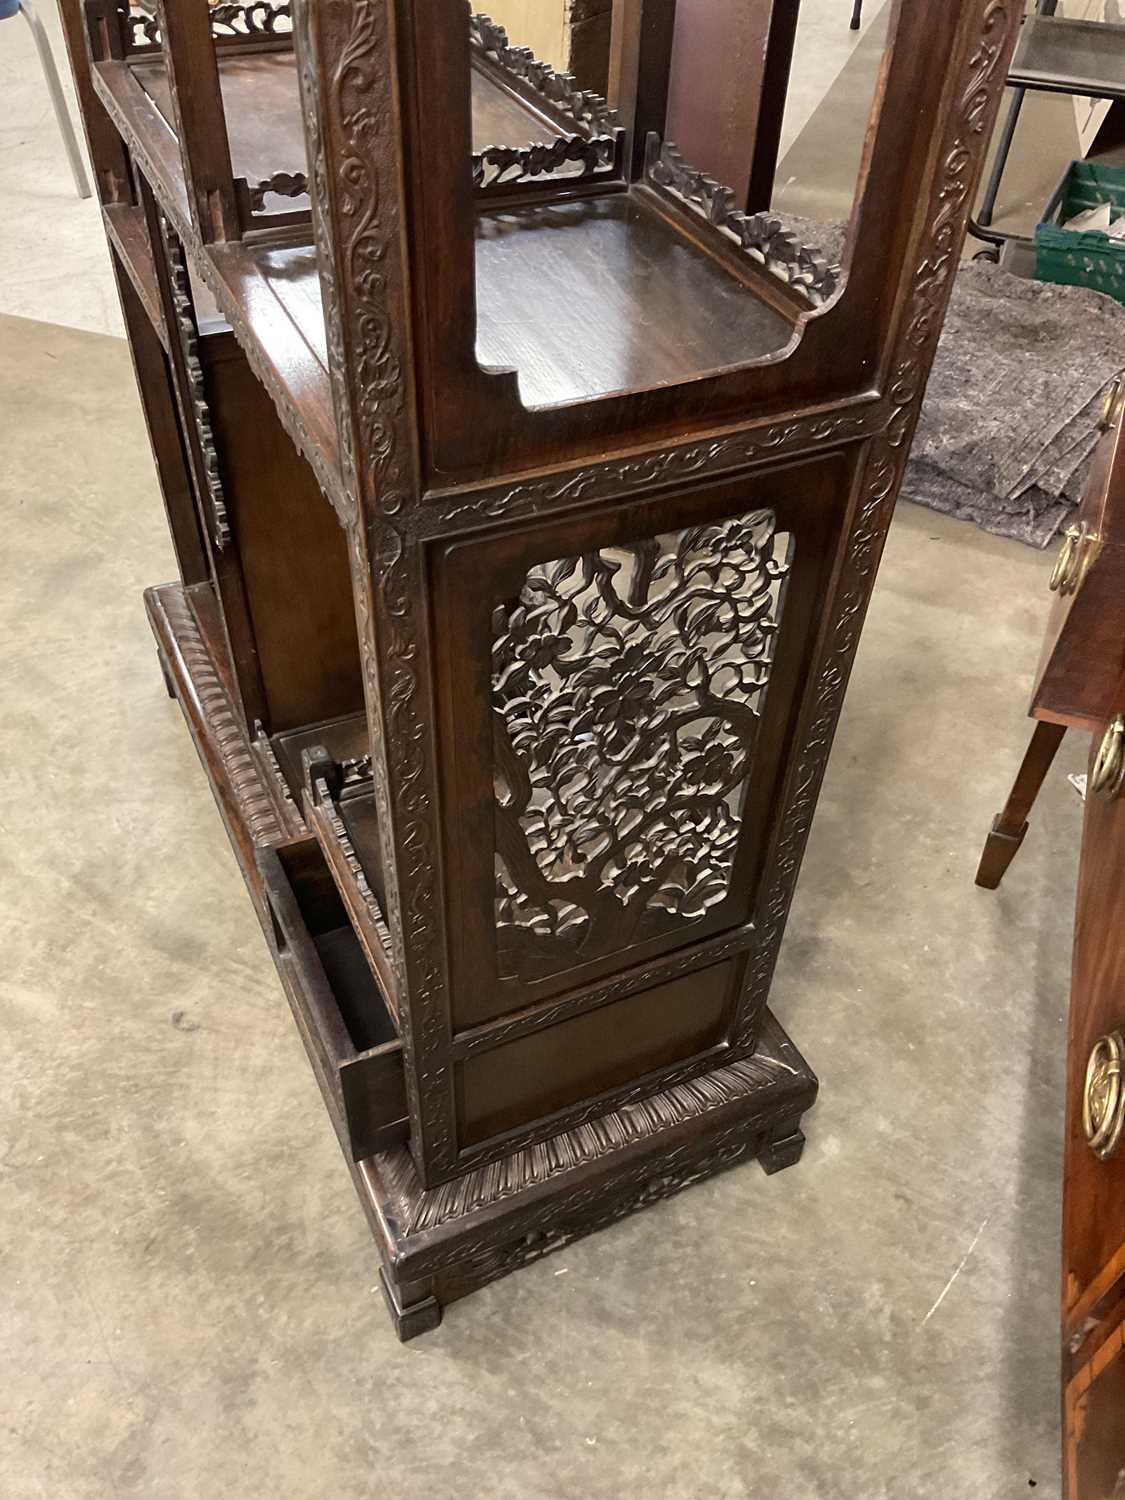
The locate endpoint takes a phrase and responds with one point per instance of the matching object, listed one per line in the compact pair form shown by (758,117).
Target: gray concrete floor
(189,1304)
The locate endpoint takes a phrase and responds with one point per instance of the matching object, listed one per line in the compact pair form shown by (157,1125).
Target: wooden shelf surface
(584,298)
(263,110)
(125,226)
(598,295)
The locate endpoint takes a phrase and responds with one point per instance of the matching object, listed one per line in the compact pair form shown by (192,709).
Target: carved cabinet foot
(782,1151)
(413,1309)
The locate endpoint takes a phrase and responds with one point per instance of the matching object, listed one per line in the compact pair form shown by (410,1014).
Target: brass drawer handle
(1073,559)
(1111,408)
(1108,772)
(1065,559)
(1103,1100)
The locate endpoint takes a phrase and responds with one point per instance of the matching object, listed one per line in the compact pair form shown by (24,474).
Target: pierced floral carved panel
(628,687)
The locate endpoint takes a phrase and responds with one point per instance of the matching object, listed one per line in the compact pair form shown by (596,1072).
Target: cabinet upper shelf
(587,285)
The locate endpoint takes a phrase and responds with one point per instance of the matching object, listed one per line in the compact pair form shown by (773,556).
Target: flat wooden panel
(550,1069)
(717,63)
(591,297)
(293,551)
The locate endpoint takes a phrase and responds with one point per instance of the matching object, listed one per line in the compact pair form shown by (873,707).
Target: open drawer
(336,1001)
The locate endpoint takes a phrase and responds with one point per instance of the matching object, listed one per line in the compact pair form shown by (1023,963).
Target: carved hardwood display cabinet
(527,498)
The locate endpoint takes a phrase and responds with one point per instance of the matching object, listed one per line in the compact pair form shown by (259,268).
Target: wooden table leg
(1009,826)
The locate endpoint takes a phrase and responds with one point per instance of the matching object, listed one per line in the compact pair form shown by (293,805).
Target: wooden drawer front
(1083,652)
(336,1002)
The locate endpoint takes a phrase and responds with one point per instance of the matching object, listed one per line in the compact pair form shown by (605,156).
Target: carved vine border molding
(641,472)
(593,140)
(961,152)
(362,281)
(504,166)
(218,720)
(627,1125)
(327,474)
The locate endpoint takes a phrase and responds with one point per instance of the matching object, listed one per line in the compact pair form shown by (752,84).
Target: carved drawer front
(619,707)
(335,999)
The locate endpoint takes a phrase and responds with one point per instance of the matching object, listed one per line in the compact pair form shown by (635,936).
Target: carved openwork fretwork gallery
(283,184)
(627,686)
(587,112)
(188,334)
(229,22)
(592,142)
(572,156)
(760,236)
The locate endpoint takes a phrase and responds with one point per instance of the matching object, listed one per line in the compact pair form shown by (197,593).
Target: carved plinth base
(447,1241)
(441,1243)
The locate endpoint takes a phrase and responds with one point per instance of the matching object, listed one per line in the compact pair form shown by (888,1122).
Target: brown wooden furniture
(527,498)
(1083,656)
(1081,682)
(1093,1280)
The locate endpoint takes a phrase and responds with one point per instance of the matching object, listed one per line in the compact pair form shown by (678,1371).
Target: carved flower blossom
(711,765)
(542,650)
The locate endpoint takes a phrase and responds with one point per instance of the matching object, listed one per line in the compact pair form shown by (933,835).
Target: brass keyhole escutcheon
(1103,1100)
(1108,771)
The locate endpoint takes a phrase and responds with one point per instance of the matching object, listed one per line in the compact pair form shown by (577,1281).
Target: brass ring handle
(1110,407)
(1103,1099)
(1108,771)
(1074,558)
(1060,574)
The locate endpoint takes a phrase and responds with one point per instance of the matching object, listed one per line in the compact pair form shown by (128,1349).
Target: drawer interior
(336,1000)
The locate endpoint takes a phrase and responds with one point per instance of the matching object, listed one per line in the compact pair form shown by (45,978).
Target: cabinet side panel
(293,551)
(538,1074)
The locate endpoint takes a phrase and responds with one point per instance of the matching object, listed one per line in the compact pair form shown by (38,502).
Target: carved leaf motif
(627,689)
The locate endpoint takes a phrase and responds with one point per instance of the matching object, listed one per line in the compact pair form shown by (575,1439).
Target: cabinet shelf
(125,226)
(584,297)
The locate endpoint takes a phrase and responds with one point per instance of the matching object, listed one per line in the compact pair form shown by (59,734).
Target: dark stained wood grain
(1082,661)
(592,298)
(1083,654)
(263,111)
(657,524)
(1093,1312)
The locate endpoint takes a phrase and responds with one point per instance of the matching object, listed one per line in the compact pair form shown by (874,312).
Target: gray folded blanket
(1009,420)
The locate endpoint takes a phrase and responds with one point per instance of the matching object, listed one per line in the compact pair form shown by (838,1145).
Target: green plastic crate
(1082,257)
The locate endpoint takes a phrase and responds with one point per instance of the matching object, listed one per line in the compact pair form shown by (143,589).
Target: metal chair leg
(857,14)
(1004,146)
(58,99)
